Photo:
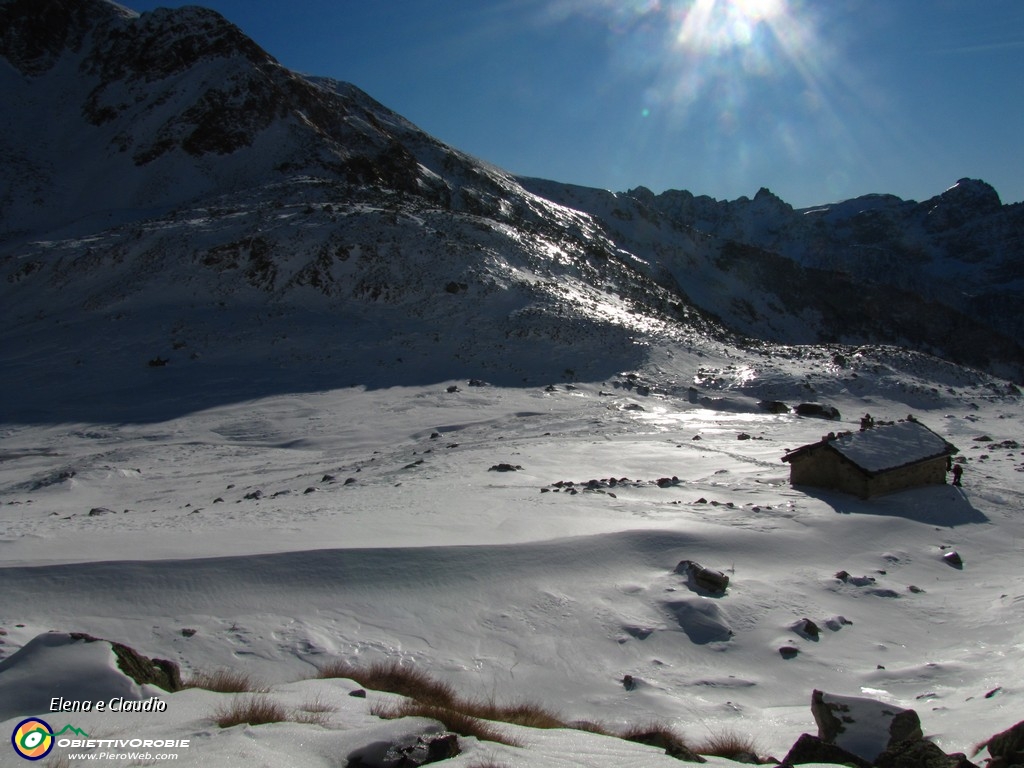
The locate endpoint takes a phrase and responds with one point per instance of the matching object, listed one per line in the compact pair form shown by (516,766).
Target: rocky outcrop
(1006,747)
(162,673)
(866,733)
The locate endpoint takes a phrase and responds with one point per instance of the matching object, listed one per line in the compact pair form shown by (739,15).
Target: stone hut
(872,462)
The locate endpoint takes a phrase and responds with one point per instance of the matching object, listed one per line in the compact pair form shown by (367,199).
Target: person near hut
(958,472)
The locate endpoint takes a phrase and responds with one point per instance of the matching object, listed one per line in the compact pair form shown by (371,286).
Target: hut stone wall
(823,468)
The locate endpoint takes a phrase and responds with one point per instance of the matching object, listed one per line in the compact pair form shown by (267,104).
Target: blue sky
(819,100)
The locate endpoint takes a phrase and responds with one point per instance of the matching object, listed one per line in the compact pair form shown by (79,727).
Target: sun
(759,10)
(717,26)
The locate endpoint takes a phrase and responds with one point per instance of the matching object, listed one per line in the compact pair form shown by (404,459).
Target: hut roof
(884,447)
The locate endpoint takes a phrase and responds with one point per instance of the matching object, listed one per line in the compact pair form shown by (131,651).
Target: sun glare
(715,26)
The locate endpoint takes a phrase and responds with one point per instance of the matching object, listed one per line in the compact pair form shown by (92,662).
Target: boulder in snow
(864,727)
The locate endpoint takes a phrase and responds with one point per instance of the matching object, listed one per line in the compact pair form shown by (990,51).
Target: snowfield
(277,535)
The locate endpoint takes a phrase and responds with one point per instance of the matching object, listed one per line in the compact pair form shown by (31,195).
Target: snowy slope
(511,592)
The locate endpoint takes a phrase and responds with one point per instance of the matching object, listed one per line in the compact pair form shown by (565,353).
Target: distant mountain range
(162,173)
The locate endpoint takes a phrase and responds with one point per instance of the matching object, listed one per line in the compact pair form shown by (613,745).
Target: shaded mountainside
(194,201)
(945,275)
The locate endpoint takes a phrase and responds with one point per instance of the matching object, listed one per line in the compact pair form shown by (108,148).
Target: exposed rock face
(1007,747)
(162,673)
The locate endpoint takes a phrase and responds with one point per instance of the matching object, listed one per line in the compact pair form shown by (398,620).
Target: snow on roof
(891,445)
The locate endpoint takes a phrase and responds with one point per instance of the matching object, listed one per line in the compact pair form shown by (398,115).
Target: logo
(32,738)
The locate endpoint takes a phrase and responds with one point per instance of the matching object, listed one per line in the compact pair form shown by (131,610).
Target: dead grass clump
(225,681)
(727,744)
(393,677)
(254,710)
(453,720)
(592,726)
(658,735)
(315,712)
(525,713)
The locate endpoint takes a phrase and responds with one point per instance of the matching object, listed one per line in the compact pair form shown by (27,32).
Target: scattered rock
(703,578)
(818,411)
(358,693)
(807,628)
(97,511)
(188,631)
(790,652)
(951,558)
(257,494)
(422,750)
(773,406)
(505,467)
(743,436)
(452,389)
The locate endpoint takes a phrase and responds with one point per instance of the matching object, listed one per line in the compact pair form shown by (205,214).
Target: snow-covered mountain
(163,173)
(403,406)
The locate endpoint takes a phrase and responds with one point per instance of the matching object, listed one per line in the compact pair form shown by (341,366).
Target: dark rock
(188,632)
(358,693)
(807,628)
(97,511)
(818,411)
(950,558)
(789,652)
(311,489)
(327,479)
(673,745)
(920,753)
(427,748)
(812,749)
(773,406)
(628,682)
(743,436)
(1006,747)
(703,578)
(505,467)
(349,480)
(142,669)
(452,389)
(257,494)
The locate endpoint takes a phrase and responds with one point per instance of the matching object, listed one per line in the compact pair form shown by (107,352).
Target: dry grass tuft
(254,710)
(225,681)
(727,744)
(314,712)
(525,713)
(394,677)
(453,720)
(657,735)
